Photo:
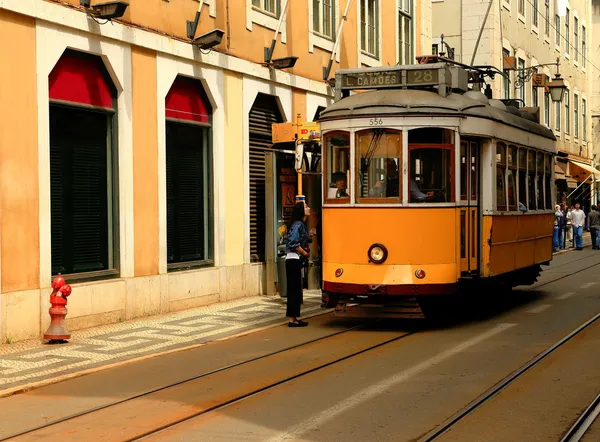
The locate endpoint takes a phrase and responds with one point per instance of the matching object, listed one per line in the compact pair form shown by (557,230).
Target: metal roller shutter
(263,114)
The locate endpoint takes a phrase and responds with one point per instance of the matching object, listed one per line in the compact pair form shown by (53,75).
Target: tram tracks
(573,435)
(583,424)
(168,405)
(171,404)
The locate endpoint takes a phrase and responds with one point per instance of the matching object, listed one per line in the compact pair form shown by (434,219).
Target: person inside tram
(390,186)
(341,187)
(416,195)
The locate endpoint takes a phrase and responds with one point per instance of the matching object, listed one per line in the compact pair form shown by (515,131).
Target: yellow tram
(428,186)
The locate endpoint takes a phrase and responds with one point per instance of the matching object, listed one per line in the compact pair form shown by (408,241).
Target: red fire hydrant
(58,311)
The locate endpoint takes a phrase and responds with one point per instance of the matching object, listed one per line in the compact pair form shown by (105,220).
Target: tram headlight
(377,254)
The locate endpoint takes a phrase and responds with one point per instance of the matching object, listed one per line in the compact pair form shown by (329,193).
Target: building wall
(507,29)
(143,54)
(595,102)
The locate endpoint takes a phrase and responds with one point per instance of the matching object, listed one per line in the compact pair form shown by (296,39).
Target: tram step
(408,308)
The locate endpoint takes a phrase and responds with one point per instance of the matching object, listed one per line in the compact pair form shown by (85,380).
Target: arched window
(83,161)
(189,171)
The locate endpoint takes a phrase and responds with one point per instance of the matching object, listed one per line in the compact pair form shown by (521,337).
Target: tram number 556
(375,122)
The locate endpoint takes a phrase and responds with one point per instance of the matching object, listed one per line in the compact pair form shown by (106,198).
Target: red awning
(187,101)
(81,79)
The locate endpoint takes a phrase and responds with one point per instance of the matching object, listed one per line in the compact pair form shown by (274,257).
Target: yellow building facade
(131,159)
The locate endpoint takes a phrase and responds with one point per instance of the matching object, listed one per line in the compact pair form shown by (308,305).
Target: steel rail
(585,421)
(478,402)
(267,387)
(485,397)
(175,384)
(564,276)
(237,364)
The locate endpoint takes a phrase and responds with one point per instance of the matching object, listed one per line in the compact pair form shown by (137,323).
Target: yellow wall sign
(289,132)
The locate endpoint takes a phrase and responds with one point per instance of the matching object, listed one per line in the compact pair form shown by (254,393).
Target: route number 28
(375,122)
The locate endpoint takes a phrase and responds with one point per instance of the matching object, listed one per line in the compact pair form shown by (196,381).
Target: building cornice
(60,15)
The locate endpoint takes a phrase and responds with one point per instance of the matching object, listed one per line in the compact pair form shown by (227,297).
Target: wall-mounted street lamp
(209,40)
(556,87)
(283,63)
(105,11)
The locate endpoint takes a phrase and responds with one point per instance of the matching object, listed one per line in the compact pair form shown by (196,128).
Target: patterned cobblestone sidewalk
(27,363)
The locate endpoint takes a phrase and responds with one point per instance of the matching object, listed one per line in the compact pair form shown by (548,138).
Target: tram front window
(430,175)
(379,164)
(338,166)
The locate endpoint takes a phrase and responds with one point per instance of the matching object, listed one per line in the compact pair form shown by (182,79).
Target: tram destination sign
(389,78)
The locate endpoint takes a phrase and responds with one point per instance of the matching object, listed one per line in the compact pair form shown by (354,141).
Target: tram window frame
(464,170)
(539,180)
(434,146)
(522,176)
(397,199)
(512,172)
(433,138)
(531,200)
(501,177)
(548,166)
(328,171)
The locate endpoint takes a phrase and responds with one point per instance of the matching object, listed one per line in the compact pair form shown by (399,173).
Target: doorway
(469,206)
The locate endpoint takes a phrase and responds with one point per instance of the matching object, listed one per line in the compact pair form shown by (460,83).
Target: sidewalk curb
(61,378)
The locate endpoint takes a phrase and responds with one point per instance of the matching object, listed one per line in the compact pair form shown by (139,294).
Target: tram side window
(547,182)
(431,165)
(540,180)
(531,179)
(338,166)
(522,177)
(379,168)
(511,177)
(500,175)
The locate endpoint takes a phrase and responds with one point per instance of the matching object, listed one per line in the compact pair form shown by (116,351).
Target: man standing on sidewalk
(594,223)
(578,220)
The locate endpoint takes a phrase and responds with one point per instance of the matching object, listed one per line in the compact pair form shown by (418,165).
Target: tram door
(469,205)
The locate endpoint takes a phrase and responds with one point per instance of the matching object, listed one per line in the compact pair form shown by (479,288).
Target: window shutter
(263,114)
(78,190)
(186,190)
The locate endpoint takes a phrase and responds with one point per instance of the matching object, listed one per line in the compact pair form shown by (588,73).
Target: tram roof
(404,102)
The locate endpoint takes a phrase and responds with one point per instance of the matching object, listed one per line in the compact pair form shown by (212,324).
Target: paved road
(346,380)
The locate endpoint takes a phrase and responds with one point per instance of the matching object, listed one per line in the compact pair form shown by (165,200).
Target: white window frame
(321,7)
(583,119)
(411,16)
(319,40)
(575,114)
(583,47)
(567,37)
(576,38)
(265,19)
(535,20)
(547,16)
(364,56)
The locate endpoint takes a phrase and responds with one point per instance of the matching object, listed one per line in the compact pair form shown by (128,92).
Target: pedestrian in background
(558,216)
(578,221)
(569,227)
(562,228)
(594,225)
(297,249)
